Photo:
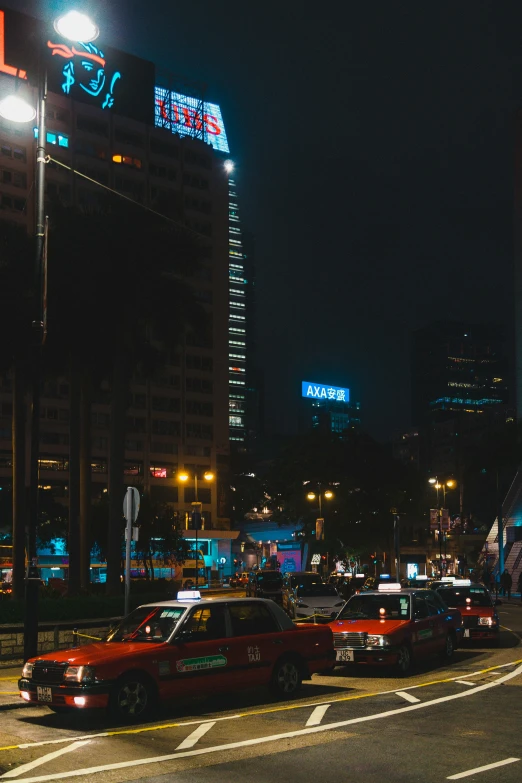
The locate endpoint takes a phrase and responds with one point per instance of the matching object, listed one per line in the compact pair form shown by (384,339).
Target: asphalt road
(440,723)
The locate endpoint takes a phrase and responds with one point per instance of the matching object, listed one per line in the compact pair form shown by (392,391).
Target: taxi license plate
(44,694)
(345,655)
(466,633)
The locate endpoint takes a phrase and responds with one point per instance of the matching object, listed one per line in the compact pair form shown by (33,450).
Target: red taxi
(394,626)
(477,607)
(172,649)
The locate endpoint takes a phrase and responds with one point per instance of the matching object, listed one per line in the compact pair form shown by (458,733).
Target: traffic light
(374,558)
(323,558)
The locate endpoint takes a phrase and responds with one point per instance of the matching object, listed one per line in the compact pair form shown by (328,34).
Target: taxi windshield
(147,624)
(318,589)
(465,596)
(376,607)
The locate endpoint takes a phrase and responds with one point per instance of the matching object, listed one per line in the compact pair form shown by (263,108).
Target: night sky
(374,145)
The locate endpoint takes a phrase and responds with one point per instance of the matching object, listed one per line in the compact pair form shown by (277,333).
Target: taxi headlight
(487,621)
(79,674)
(377,641)
(27,671)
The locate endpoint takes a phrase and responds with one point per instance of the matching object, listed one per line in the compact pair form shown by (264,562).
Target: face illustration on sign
(86,69)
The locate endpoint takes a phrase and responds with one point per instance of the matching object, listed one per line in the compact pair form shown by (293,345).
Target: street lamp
(196,507)
(77,27)
(328,495)
(444,485)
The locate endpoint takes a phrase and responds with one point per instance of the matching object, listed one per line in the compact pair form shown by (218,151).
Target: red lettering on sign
(212,127)
(3,66)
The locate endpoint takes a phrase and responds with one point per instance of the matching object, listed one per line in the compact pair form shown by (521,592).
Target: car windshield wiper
(359,615)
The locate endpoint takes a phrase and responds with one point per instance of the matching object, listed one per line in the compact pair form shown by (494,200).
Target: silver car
(306,596)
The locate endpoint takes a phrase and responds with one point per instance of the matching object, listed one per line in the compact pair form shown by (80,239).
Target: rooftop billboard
(182,114)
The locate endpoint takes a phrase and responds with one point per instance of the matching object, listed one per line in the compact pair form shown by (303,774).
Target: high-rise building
(460,388)
(155,146)
(328,409)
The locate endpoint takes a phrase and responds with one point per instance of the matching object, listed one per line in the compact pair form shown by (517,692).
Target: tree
(159,538)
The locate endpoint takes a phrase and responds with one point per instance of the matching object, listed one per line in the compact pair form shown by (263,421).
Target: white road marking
(195,736)
(14,773)
(317,715)
(408,696)
(272,738)
(464,682)
(481,769)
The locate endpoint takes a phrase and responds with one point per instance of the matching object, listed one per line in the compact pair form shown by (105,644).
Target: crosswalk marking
(407,696)
(317,715)
(14,773)
(196,735)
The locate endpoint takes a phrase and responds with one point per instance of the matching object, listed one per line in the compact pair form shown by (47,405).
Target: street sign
(316,559)
(222,560)
(131,504)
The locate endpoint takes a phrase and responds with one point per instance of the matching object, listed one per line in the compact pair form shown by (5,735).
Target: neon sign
(317,391)
(85,67)
(182,115)
(4,68)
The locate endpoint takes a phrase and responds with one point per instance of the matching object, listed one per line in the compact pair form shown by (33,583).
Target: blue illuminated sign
(86,67)
(182,114)
(317,391)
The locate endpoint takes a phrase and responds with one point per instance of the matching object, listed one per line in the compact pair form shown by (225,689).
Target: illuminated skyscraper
(237,325)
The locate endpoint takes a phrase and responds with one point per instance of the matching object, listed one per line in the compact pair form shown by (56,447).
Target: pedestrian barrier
(77,634)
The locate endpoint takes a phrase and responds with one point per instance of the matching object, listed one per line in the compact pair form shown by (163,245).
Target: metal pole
(196,521)
(501,564)
(32,579)
(128,538)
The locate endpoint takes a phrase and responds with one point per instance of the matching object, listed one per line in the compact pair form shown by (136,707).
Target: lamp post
(444,485)
(311,496)
(76,27)
(196,507)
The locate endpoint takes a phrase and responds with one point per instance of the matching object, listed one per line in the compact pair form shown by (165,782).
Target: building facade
(151,153)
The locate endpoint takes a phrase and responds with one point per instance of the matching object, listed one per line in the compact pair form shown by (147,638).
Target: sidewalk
(9,675)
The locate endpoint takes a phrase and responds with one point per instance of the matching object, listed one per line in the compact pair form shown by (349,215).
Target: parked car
(265,584)
(165,651)
(477,607)
(291,581)
(394,626)
(310,600)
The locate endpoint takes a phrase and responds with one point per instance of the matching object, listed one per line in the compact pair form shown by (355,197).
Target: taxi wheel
(403,660)
(286,677)
(449,648)
(132,698)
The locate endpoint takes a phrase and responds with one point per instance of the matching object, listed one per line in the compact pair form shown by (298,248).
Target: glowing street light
(76,27)
(228,165)
(15,109)
(196,506)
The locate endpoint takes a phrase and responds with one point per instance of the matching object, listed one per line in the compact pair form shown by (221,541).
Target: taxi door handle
(223,649)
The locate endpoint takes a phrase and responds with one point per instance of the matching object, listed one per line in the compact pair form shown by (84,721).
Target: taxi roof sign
(395,586)
(461,582)
(189,595)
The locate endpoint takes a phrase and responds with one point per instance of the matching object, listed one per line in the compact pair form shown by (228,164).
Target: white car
(311,600)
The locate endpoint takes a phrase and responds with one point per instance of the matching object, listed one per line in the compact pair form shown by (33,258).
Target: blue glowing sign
(317,391)
(182,115)
(86,68)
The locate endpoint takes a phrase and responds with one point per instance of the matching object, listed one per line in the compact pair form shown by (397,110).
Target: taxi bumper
(75,696)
